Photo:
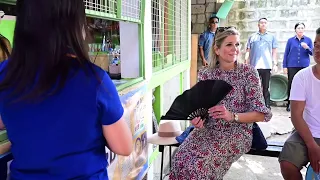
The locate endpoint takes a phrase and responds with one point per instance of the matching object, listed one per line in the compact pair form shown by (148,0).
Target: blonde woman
(222,139)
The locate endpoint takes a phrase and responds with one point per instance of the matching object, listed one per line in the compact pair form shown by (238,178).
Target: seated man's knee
(289,170)
(293,157)
(287,166)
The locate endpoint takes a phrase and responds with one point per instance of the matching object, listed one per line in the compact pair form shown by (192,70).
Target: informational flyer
(134,166)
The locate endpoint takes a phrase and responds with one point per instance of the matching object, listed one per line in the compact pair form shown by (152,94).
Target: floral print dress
(208,153)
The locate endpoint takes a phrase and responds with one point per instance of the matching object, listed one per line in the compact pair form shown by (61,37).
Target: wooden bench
(273,150)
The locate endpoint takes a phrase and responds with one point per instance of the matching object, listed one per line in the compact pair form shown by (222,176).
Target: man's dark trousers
(265,80)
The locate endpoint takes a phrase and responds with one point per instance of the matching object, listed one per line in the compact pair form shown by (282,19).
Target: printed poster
(134,166)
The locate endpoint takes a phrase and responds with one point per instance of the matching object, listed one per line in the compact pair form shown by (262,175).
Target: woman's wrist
(235,117)
(250,117)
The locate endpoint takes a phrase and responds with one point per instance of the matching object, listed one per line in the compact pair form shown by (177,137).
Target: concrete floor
(250,167)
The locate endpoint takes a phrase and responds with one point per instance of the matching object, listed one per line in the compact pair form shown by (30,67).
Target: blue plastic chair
(311,175)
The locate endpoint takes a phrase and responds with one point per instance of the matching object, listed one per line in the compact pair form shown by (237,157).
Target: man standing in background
(262,54)
(206,40)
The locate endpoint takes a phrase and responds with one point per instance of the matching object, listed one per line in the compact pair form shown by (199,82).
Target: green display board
(7,29)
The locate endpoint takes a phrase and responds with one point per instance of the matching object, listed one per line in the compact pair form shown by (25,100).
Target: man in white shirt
(303,145)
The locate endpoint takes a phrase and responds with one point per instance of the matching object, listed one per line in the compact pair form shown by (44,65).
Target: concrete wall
(201,12)
(282,16)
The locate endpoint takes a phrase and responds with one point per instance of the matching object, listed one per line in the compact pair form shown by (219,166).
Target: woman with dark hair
(296,55)
(59,109)
(4,54)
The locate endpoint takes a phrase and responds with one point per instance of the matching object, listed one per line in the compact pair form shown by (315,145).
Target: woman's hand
(304,45)
(221,112)
(197,122)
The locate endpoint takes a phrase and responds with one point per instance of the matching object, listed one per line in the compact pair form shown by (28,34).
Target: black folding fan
(196,101)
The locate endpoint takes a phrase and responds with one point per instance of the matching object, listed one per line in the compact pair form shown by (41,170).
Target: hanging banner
(134,166)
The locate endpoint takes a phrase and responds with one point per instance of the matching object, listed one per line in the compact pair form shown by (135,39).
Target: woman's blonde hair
(221,34)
